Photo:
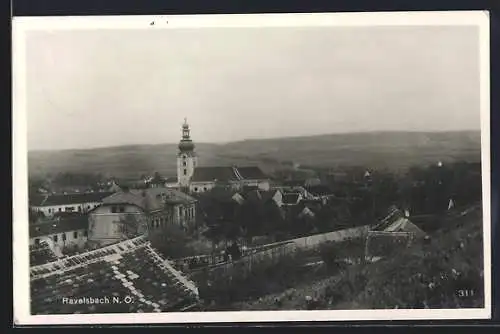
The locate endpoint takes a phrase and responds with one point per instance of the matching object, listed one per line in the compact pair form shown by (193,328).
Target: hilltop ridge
(392,150)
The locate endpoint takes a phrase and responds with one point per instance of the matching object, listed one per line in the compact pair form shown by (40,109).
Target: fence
(272,253)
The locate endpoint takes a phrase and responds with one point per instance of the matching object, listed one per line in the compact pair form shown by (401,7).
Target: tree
(171,241)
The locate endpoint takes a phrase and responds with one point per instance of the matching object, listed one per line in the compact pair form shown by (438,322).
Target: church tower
(186,158)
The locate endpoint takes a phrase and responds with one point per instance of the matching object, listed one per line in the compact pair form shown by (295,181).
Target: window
(204,188)
(113,209)
(50,210)
(75,235)
(185,171)
(122,209)
(37,241)
(60,210)
(79,209)
(88,207)
(196,189)
(184,163)
(55,238)
(64,236)
(85,233)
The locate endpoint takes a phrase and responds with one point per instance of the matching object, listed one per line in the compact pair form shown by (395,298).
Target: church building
(197,179)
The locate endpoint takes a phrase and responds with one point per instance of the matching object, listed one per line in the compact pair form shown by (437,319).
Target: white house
(81,202)
(62,233)
(137,211)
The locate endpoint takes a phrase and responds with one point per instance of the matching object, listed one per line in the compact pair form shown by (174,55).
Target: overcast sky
(106,88)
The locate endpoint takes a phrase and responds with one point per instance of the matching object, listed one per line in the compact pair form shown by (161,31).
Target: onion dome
(186,144)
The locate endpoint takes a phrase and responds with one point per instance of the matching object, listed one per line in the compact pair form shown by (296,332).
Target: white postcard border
(21,25)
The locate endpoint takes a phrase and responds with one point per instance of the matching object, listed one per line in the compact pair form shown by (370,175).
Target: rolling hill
(393,150)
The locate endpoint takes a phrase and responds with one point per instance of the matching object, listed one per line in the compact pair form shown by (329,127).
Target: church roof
(226,174)
(129,269)
(251,173)
(212,174)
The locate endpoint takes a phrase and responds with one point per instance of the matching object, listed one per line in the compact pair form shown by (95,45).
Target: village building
(78,202)
(394,233)
(133,212)
(319,192)
(60,233)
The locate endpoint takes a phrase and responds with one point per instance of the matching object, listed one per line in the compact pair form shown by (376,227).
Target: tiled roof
(226,174)
(251,173)
(37,199)
(41,254)
(52,200)
(58,226)
(404,225)
(129,269)
(211,174)
(319,190)
(172,196)
(126,197)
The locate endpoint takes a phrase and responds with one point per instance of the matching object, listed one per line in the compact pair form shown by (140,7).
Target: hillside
(394,150)
(426,275)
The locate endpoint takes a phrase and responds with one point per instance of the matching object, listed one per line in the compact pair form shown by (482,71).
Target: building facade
(60,233)
(129,213)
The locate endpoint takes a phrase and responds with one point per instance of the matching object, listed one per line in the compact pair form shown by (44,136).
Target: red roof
(130,269)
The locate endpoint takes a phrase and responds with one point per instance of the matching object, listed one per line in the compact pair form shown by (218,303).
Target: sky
(97,88)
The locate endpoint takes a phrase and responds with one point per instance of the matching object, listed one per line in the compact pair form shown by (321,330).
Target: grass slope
(397,150)
(426,275)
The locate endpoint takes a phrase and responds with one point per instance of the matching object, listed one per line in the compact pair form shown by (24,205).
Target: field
(392,150)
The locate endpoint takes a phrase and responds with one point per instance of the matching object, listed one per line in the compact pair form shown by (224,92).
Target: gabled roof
(226,174)
(212,174)
(149,199)
(403,225)
(58,226)
(319,190)
(251,173)
(68,199)
(126,197)
(128,269)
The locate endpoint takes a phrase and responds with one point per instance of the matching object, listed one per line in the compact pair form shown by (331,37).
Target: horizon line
(251,139)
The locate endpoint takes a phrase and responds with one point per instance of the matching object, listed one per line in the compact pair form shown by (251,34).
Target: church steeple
(186,158)
(186,144)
